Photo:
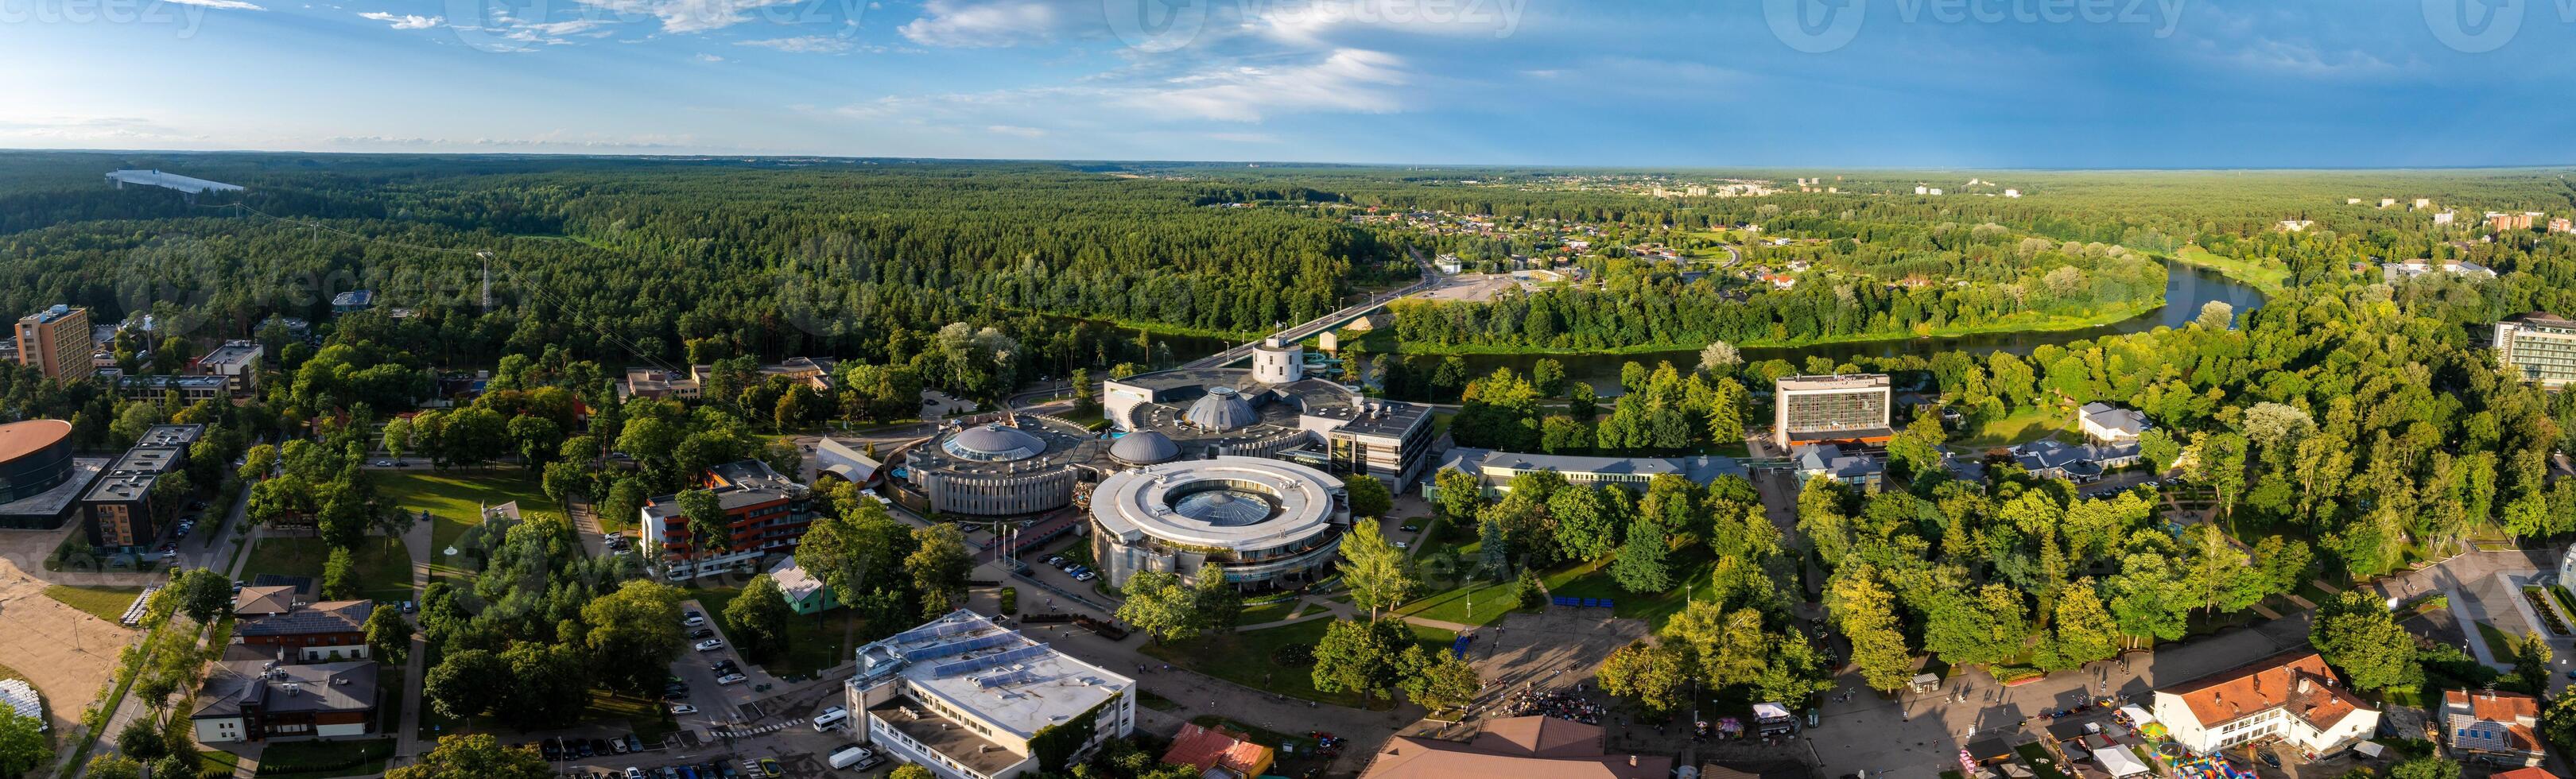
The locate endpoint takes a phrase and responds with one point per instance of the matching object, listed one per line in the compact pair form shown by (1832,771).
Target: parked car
(635,773)
(599,746)
(552,750)
(634,744)
(730,679)
(617,746)
(702,633)
(770,766)
(409,607)
(693,619)
(678,709)
(1410,527)
(711,645)
(384,463)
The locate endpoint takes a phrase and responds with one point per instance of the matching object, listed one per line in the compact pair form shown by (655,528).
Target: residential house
(804,593)
(2497,728)
(1218,753)
(2051,459)
(1831,461)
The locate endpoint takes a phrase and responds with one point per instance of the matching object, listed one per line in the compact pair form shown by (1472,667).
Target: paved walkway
(407,745)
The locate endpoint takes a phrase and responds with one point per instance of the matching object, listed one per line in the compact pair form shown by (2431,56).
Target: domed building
(1221,409)
(1005,467)
(1144,448)
(1263,523)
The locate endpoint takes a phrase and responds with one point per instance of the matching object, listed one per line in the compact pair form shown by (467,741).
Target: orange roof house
(2492,727)
(1515,748)
(1219,753)
(2292,695)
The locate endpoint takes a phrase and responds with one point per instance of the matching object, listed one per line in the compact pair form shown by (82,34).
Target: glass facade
(43,469)
(2543,351)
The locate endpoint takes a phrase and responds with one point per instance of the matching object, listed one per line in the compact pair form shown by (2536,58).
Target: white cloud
(689,16)
(805,44)
(710,58)
(227,5)
(1024,132)
(968,24)
(1348,80)
(405,21)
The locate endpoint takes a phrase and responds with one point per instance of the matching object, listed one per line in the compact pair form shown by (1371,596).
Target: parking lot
(716,702)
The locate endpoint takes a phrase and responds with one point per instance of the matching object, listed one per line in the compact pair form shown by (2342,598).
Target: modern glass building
(35,456)
(2538,347)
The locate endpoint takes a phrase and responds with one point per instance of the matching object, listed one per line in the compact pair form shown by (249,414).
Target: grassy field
(455,499)
(1267,612)
(107,603)
(322,759)
(212,760)
(1690,572)
(815,642)
(1250,659)
(2019,427)
(1490,600)
(2261,276)
(383,566)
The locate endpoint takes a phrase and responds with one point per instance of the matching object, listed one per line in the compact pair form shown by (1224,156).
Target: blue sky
(1852,83)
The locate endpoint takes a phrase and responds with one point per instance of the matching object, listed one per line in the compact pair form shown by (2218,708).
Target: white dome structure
(1221,408)
(1144,448)
(994,442)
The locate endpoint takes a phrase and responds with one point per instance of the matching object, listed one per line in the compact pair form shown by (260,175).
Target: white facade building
(969,699)
(2292,696)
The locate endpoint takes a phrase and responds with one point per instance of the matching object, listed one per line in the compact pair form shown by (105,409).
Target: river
(2187,287)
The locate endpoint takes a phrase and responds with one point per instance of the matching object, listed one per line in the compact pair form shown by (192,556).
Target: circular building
(1266,523)
(997,469)
(1144,448)
(35,456)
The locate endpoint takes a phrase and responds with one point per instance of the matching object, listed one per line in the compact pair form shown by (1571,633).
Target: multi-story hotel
(969,699)
(2538,347)
(1831,409)
(56,342)
(766,513)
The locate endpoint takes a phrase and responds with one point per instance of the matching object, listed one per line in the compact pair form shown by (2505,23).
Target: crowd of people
(1559,703)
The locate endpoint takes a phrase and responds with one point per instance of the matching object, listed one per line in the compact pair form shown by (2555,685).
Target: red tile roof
(2298,680)
(1205,748)
(1515,748)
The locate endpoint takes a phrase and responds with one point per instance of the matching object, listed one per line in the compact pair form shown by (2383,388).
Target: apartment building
(766,512)
(56,342)
(2538,347)
(1841,409)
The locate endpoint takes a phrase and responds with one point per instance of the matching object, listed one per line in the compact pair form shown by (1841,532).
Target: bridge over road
(1302,331)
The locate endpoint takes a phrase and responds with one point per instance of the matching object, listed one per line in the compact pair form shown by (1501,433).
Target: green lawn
(2265,277)
(383,566)
(322,759)
(815,642)
(211,760)
(1267,612)
(2499,645)
(1250,659)
(1690,573)
(455,499)
(2018,427)
(2039,761)
(107,603)
(1491,600)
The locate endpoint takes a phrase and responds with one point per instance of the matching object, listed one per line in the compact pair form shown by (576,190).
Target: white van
(853,755)
(830,718)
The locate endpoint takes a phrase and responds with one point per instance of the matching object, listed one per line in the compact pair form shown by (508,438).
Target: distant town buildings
(2292,696)
(968,699)
(2296,225)
(815,372)
(2538,347)
(2400,271)
(2446,217)
(2012,193)
(2503,221)
(56,342)
(1850,408)
(352,301)
(2388,202)
(2562,225)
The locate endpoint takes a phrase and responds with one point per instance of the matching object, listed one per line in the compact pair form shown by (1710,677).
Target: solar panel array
(937,630)
(1014,677)
(971,665)
(920,653)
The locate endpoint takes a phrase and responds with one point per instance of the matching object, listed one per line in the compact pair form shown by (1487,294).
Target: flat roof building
(237,361)
(2538,347)
(56,343)
(1841,409)
(1265,523)
(155,178)
(968,699)
(1496,469)
(767,512)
